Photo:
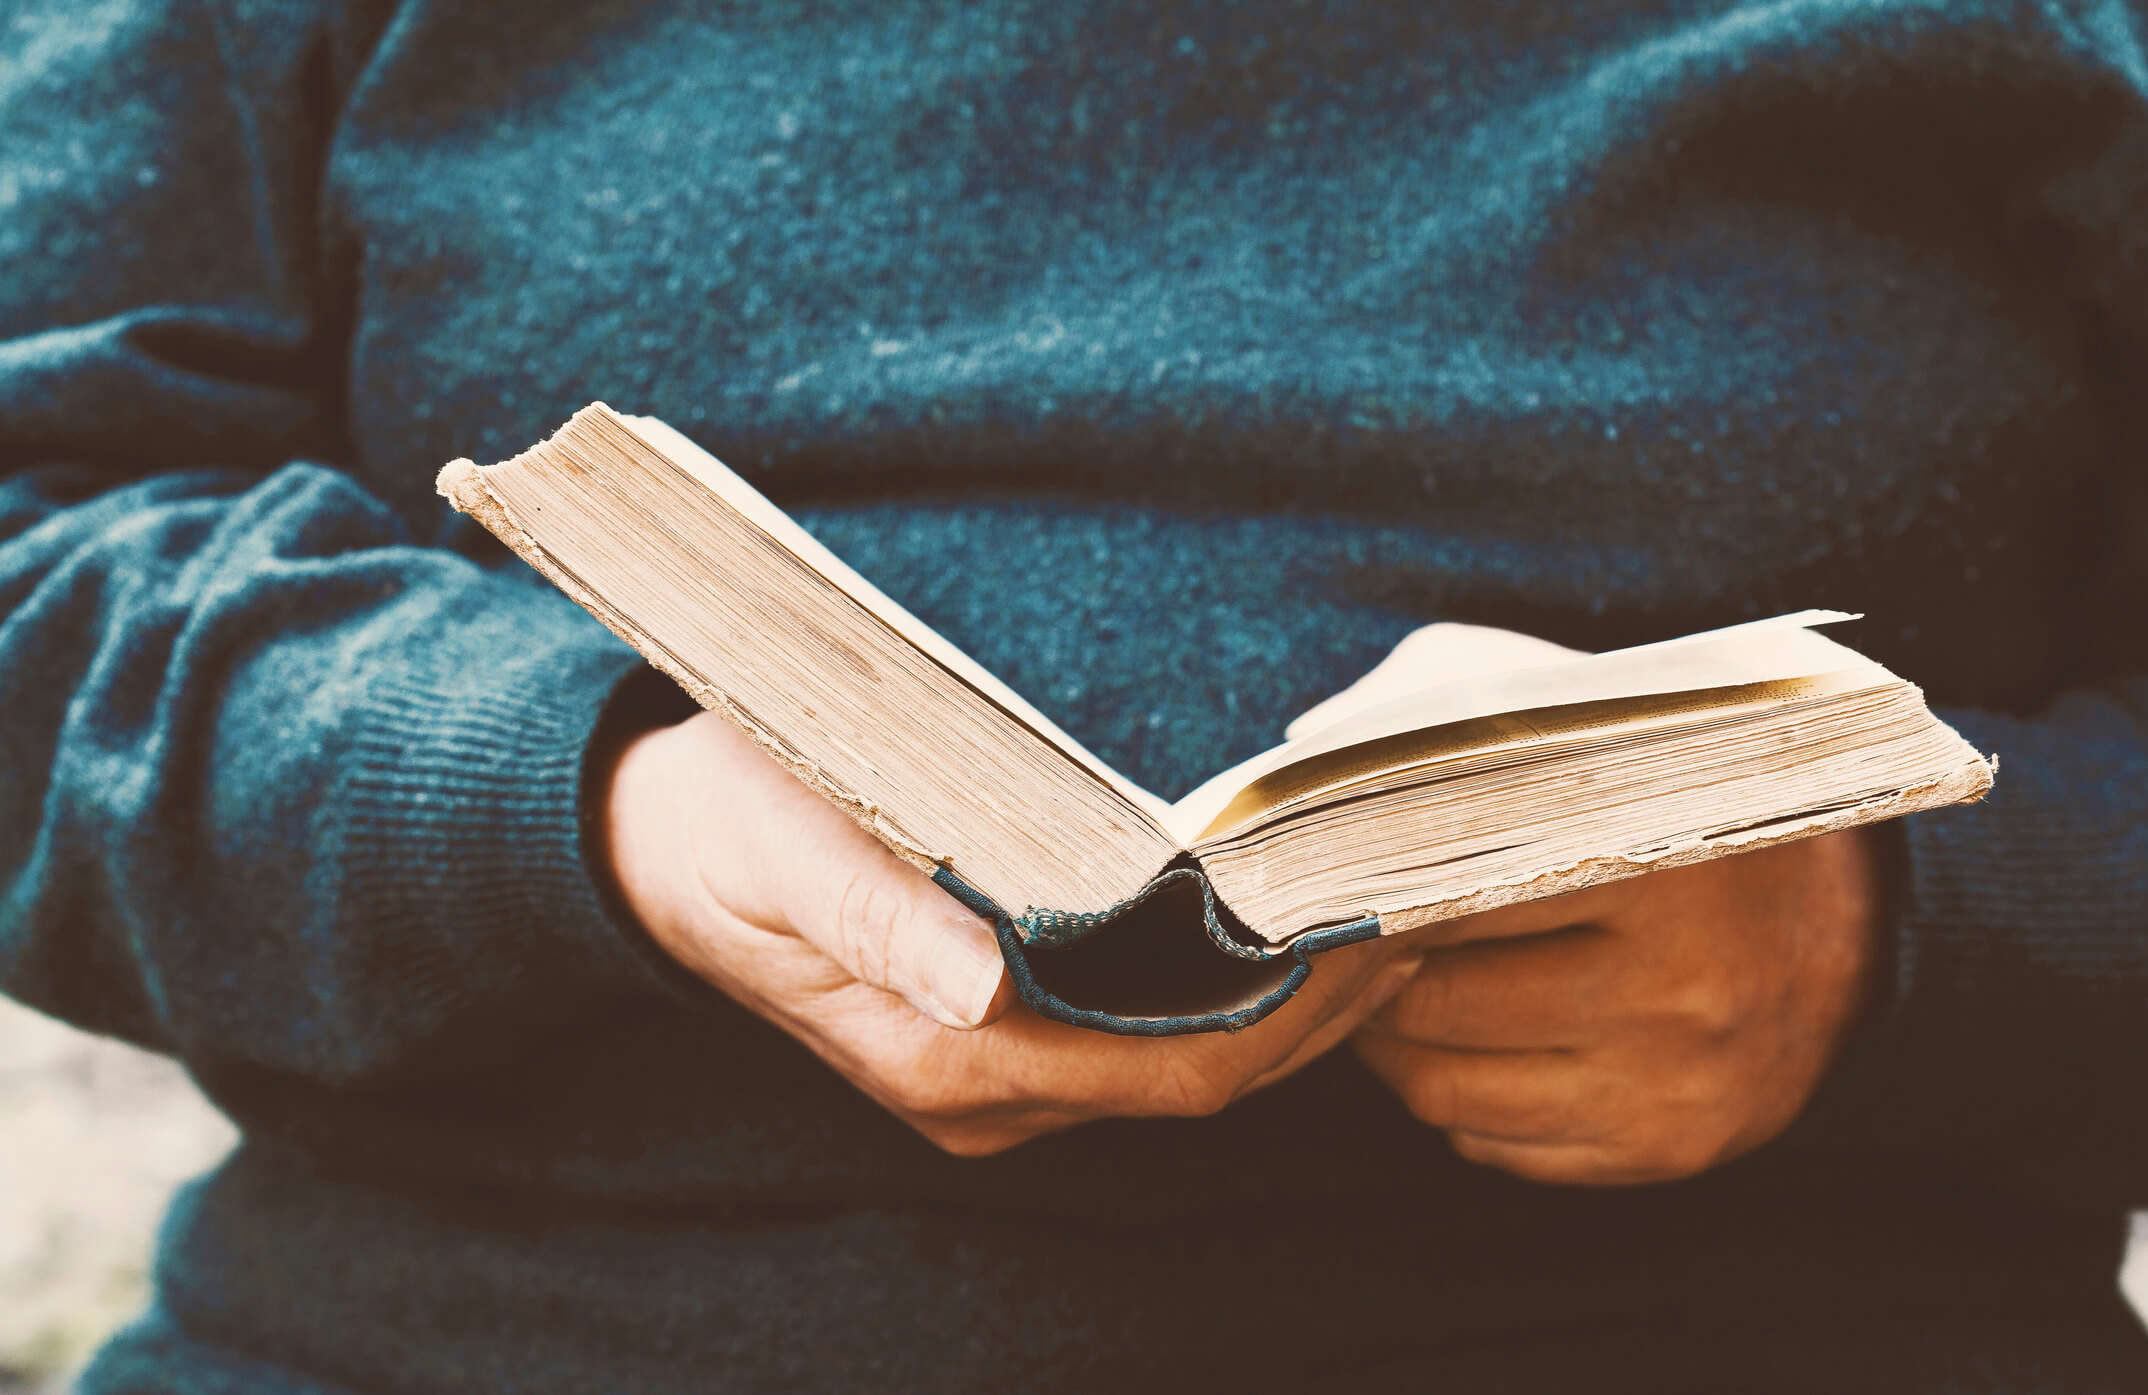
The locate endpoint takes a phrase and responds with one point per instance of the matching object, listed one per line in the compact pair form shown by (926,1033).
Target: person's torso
(1175,361)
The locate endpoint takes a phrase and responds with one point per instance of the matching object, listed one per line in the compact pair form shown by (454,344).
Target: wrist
(615,841)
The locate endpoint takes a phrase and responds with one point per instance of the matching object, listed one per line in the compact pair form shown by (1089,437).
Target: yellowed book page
(1964,780)
(754,506)
(1335,774)
(1431,657)
(1760,652)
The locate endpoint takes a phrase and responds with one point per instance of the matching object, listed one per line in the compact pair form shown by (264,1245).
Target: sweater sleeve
(287,788)
(2014,1042)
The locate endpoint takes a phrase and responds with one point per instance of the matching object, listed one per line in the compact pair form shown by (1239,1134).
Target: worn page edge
(759,510)
(1968,782)
(462,483)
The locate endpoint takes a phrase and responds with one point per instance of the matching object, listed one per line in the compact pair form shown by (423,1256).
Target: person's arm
(283,789)
(1963,993)
(2013,1040)
(2010,1037)
(330,811)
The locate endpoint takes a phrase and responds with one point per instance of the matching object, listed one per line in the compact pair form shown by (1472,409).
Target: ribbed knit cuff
(462,830)
(2018,955)
(2047,871)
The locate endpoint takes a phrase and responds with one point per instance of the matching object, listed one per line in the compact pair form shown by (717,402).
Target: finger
(979,1091)
(796,865)
(979,1136)
(1049,1065)
(1391,979)
(1589,905)
(1346,986)
(1539,992)
(1568,1164)
(1518,1096)
(888,925)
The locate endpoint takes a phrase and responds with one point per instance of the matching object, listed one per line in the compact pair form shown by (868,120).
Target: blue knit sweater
(1175,360)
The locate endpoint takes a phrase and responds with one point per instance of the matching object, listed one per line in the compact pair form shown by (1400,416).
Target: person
(1176,361)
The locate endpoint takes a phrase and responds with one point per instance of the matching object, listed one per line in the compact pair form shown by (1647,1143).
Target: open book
(1412,797)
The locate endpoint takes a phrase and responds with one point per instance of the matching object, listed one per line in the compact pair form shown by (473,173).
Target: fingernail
(966,970)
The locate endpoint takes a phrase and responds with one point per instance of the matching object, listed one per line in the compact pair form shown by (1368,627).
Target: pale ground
(93,1138)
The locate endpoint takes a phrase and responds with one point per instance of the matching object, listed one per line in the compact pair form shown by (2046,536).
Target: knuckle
(861,927)
(1471,1148)
(1680,1154)
(962,1141)
(1712,1006)
(1196,1092)
(1207,1099)
(944,1137)
(928,1094)
(1434,1097)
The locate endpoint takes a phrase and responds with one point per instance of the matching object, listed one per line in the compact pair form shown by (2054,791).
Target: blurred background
(94,1136)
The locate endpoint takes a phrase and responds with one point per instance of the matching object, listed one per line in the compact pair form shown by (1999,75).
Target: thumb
(889,926)
(1382,973)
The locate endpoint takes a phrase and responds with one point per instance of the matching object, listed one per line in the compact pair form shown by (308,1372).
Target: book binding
(1067,965)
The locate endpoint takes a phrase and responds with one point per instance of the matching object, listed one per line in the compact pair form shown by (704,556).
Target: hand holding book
(1641,1030)
(1437,789)
(766,890)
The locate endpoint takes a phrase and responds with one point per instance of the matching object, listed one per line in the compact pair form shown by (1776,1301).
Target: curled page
(1763,651)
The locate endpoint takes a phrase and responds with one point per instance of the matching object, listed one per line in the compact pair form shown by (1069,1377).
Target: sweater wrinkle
(1174,362)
